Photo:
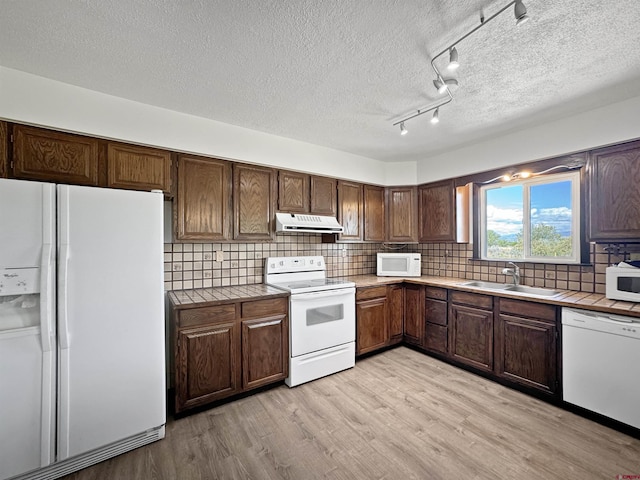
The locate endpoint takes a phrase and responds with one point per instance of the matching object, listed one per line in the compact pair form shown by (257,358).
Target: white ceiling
(336,73)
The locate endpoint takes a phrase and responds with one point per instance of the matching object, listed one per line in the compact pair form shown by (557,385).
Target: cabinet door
(265,350)
(614,216)
(4,149)
(350,210)
(372,330)
(436,333)
(40,154)
(471,336)
(436,209)
(374,217)
(293,192)
(402,214)
(207,364)
(526,352)
(203,201)
(395,312)
(324,196)
(254,201)
(414,314)
(138,168)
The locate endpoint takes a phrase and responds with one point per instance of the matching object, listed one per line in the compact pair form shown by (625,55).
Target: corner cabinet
(350,211)
(254,203)
(374,213)
(471,329)
(437,210)
(223,350)
(402,214)
(138,168)
(379,317)
(414,314)
(614,217)
(203,200)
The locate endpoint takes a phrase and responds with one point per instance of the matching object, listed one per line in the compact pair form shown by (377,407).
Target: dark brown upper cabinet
(614,193)
(293,192)
(44,155)
(402,214)
(254,202)
(436,210)
(350,211)
(203,200)
(4,149)
(138,168)
(324,196)
(374,214)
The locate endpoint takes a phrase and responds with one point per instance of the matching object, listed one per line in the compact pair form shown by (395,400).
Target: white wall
(613,123)
(31,99)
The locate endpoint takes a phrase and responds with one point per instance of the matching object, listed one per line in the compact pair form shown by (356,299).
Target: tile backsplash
(194,265)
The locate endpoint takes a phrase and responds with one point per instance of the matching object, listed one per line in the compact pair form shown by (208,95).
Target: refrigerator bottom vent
(74,464)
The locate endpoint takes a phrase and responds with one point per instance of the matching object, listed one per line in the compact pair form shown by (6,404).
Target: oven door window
(330,313)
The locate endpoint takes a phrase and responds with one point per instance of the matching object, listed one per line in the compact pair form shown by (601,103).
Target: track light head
(403,130)
(436,116)
(439,84)
(520,12)
(443,85)
(453,59)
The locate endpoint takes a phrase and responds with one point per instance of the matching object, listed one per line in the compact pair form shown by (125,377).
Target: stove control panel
(294,264)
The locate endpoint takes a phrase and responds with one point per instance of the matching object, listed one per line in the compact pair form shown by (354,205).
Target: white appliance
(305,223)
(399,265)
(322,317)
(82,375)
(623,282)
(601,363)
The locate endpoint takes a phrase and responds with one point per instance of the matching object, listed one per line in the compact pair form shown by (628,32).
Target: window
(534,220)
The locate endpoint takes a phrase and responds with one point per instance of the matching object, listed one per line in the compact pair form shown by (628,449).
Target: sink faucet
(515,272)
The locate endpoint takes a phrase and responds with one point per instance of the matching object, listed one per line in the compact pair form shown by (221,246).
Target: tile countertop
(200,297)
(567,298)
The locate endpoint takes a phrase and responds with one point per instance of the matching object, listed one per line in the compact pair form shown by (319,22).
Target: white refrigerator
(82,361)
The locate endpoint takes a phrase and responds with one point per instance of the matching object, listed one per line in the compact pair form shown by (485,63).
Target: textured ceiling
(336,73)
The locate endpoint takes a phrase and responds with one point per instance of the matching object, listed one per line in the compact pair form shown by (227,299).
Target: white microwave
(623,283)
(398,265)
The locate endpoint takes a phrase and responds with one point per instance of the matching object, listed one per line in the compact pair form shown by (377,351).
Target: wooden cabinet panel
(436,210)
(203,203)
(539,311)
(254,200)
(4,149)
(293,192)
(324,196)
(436,311)
(350,210)
(367,293)
(436,293)
(372,330)
(613,216)
(263,308)
(44,155)
(471,299)
(208,364)
(138,168)
(471,336)
(436,320)
(206,315)
(414,314)
(395,312)
(374,214)
(527,352)
(265,351)
(402,214)
(435,338)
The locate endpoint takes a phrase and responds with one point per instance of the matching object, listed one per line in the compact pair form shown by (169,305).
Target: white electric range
(322,317)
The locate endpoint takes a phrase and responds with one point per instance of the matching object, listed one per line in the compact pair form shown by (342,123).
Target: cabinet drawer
(535,310)
(371,292)
(437,293)
(263,308)
(436,338)
(472,299)
(436,312)
(207,315)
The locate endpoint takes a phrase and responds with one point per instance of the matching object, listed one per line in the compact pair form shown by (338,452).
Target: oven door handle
(323,294)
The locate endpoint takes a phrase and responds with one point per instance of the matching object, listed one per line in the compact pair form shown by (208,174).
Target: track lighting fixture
(520,12)
(443,85)
(453,58)
(507,177)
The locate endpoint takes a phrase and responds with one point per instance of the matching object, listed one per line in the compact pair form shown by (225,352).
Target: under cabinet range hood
(305,223)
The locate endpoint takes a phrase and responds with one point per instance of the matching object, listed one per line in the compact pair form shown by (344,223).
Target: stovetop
(301,275)
(313,285)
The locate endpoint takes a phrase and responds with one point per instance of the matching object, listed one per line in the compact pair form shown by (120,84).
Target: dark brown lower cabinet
(471,329)
(225,349)
(436,333)
(414,314)
(395,312)
(372,328)
(526,345)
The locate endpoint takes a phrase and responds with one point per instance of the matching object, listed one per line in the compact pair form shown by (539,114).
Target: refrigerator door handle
(62,300)
(46,298)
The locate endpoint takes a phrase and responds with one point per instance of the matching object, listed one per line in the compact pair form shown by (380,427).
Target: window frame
(577,213)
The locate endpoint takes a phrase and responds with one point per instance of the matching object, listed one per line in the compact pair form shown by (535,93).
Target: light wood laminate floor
(396,415)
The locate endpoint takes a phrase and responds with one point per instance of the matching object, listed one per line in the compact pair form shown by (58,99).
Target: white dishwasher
(601,363)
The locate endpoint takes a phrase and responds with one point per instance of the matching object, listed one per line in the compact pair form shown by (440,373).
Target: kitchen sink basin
(511,288)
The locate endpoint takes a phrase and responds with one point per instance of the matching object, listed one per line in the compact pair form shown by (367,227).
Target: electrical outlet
(219,256)
(344,252)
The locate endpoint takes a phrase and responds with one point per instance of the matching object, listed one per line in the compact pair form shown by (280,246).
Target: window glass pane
(551,220)
(504,207)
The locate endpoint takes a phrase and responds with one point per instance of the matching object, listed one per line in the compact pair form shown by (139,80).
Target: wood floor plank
(395,415)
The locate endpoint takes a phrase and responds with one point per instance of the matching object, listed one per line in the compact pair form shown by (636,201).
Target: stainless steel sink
(526,290)
(487,285)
